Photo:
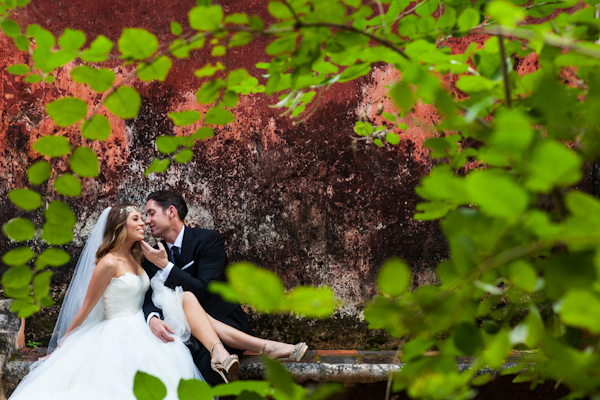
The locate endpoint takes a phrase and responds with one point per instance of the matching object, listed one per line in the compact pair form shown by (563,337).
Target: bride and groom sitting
(191,258)
(115,321)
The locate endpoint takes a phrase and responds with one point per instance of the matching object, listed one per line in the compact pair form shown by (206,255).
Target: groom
(190,258)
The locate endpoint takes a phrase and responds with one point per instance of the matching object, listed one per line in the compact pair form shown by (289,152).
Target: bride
(107,340)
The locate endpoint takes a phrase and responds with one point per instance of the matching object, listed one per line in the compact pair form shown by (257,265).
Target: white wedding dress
(99,362)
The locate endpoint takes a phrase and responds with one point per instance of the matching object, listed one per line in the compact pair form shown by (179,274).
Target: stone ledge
(345,366)
(11,338)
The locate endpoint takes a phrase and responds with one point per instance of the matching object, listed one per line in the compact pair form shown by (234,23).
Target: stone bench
(346,366)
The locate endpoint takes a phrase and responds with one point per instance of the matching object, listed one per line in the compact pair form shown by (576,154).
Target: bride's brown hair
(115,232)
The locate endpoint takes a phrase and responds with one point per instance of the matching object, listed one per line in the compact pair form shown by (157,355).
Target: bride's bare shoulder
(108,264)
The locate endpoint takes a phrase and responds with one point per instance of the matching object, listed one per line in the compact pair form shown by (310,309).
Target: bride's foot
(221,360)
(276,350)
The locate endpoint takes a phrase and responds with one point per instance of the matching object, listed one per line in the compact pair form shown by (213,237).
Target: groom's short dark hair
(167,198)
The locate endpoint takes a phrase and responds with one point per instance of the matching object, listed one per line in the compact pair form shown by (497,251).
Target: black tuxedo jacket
(202,261)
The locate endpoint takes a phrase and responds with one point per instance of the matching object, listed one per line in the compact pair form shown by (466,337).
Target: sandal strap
(213,347)
(264,347)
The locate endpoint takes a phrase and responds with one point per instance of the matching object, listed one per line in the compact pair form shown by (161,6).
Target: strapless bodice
(125,295)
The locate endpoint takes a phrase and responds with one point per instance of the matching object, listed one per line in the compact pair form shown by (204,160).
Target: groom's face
(157,219)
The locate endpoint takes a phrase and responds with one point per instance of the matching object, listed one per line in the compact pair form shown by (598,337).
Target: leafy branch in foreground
(523,272)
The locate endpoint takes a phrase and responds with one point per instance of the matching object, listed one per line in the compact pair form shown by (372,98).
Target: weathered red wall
(294,199)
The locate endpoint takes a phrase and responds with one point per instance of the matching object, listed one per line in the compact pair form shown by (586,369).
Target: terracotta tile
(337,352)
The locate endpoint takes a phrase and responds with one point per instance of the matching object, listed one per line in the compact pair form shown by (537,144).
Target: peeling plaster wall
(294,199)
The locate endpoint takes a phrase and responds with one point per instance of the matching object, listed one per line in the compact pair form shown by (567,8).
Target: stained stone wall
(296,199)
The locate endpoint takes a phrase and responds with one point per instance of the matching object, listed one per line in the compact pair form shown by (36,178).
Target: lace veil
(79,284)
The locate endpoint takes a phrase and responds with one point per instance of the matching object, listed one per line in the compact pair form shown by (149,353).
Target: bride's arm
(104,271)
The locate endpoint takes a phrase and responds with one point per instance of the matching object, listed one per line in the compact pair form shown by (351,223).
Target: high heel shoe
(230,364)
(296,354)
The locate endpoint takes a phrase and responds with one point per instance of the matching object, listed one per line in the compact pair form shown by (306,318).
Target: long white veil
(79,286)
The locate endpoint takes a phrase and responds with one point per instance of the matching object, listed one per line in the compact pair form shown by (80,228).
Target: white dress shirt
(164,274)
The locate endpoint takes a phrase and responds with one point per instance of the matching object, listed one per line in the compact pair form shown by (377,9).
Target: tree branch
(504,68)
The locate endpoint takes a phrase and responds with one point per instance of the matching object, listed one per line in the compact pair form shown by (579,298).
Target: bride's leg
(240,340)
(201,327)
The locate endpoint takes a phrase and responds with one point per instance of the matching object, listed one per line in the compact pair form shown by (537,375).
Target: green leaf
(67,111)
(176,28)
(209,92)
(256,286)
(284,44)
(25,199)
(17,277)
(39,172)
(194,389)
(552,164)
(68,185)
(10,27)
(183,118)
(497,193)
(99,50)
(184,156)
(389,117)
(203,133)
(168,144)
(72,40)
(218,51)
(24,307)
(282,381)
(468,19)
(355,71)
(240,39)
(157,165)
(392,138)
(60,213)
(137,43)
(52,146)
(218,116)
(18,256)
(279,10)
(97,128)
(52,257)
(580,308)
(394,277)
(513,131)
(206,18)
(467,339)
(84,162)
(22,43)
(148,387)
(180,49)
(18,69)
(523,275)
(41,285)
(19,229)
(60,220)
(311,302)
(505,13)
(256,23)
(99,79)
(156,70)
(125,102)
(33,78)
(237,18)
(209,70)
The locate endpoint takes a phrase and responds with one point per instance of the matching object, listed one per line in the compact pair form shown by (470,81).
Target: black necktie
(176,255)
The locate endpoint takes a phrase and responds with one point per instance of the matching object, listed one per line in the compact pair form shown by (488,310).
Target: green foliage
(124,102)
(25,199)
(264,290)
(137,44)
(99,79)
(84,162)
(523,266)
(148,387)
(96,128)
(67,111)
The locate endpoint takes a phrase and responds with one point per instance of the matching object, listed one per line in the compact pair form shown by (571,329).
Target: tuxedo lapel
(187,245)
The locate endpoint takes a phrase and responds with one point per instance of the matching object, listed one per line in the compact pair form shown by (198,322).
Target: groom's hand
(161,330)
(157,257)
